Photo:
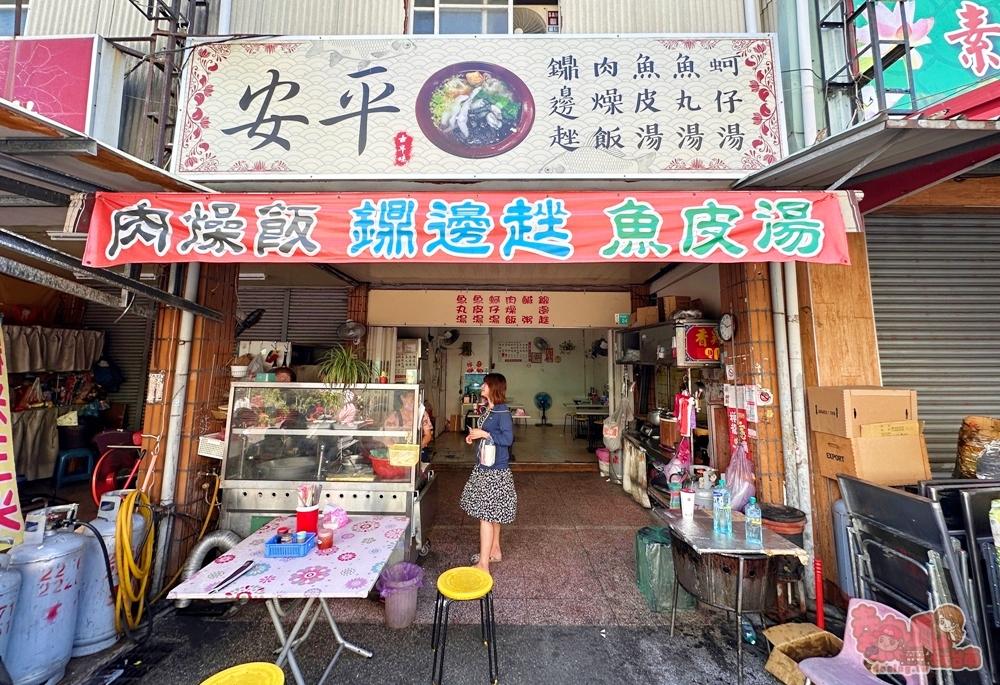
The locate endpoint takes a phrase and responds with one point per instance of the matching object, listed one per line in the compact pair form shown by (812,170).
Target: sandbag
(976,433)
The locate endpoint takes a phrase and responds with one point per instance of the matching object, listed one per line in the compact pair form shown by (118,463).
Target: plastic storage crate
(273,548)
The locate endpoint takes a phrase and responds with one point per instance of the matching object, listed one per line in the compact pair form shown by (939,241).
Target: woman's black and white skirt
(489,495)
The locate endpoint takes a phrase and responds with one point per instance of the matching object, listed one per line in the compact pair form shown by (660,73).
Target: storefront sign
(701,343)
(954,48)
(11,520)
(494,308)
(450,227)
(500,107)
(61,78)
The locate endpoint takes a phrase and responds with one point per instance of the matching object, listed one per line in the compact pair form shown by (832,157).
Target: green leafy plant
(344,365)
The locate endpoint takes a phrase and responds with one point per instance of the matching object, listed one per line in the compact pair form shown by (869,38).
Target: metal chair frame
(439,635)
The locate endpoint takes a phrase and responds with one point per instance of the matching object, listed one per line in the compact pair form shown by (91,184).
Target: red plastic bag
(740,477)
(681,461)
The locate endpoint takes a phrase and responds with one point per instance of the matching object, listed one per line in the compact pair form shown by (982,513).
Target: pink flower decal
(268,579)
(225,558)
(393,534)
(347,556)
(347,536)
(325,552)
(356,583)
(309,575)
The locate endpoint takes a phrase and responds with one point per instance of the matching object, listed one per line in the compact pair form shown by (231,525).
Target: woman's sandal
(475,559)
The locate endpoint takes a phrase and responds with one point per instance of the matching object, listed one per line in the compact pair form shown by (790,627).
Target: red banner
(454,227)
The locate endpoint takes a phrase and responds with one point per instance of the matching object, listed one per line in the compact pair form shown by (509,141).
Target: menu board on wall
(514,351)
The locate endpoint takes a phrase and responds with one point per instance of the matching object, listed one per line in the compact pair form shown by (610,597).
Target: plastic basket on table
(274,548)
(404,455)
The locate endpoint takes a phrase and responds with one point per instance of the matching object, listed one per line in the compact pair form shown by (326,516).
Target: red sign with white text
(451,227)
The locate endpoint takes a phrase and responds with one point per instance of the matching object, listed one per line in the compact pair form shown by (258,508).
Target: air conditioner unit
(536,19)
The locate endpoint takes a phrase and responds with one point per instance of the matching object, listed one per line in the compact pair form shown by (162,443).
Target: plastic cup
(306,518)
(687,503)
(324,538)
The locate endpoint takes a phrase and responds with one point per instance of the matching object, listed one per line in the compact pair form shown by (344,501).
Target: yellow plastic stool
(464,584)
(255,673)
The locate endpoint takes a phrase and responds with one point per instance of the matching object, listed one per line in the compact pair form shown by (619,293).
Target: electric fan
(352,331)
(543,401)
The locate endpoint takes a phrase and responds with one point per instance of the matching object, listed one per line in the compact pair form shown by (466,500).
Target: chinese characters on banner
(498,227)
(502,309)
(11,520)
(636,106)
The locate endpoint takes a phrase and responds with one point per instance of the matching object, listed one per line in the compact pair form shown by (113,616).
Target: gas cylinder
(10,583)
(95,621)
(41,636)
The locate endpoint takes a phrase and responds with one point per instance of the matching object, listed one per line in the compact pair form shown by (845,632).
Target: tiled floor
(532,445)
(569,557)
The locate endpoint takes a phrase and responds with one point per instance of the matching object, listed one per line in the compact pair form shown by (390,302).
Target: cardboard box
(887,430)
(896,460)
(795,642)
(843,410)
(670,304)
(647,316)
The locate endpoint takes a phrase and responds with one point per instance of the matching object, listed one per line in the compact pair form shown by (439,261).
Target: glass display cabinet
(279,435)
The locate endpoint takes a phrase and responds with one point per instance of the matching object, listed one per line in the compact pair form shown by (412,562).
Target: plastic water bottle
(722,510)
(753,522)
(749,634)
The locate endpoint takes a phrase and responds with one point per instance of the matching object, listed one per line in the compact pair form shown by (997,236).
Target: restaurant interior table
(705,562)
(595,415)
(348,570)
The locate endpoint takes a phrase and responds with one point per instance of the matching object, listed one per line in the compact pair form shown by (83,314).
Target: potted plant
(239,366)
(344,365)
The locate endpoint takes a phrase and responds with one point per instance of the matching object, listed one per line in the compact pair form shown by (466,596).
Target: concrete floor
(567,609)
(532,445)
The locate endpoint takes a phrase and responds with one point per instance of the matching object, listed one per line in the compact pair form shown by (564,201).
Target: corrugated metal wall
(319,17)
(302,316)
(109,18)
(127,341)
(936,291)
(652,16)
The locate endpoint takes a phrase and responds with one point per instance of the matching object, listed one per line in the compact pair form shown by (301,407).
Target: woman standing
(489,495)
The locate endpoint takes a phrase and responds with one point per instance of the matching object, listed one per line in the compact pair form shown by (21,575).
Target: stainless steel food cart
(281,435)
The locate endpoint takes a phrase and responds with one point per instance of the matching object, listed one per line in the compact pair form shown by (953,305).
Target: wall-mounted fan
(527,20)
(449,337)
(352,331)
(599,349)
(248,321)
(541,344)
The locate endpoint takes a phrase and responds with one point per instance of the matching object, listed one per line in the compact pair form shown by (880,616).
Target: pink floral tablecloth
(349,569)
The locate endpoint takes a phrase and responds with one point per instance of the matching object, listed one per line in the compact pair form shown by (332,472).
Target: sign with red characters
(487,227)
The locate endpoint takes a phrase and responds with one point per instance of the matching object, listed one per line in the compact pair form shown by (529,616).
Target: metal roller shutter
(315,314)
(273,301)
(302,316)
(127,341)
(936,291)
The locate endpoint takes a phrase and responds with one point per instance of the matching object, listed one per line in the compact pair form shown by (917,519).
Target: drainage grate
(132,667)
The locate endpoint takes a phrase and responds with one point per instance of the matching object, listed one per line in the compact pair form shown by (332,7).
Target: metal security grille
(301,316)
(936,291)
(127,342)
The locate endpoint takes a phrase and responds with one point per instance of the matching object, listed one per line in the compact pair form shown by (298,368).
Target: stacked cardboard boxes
(869,432)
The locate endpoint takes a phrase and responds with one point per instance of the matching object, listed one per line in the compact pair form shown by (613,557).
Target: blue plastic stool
(63,461)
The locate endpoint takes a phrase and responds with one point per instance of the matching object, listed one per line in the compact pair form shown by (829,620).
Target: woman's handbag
(487,449)
(487,452)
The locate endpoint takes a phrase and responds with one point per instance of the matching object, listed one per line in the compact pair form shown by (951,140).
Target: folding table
(349,570)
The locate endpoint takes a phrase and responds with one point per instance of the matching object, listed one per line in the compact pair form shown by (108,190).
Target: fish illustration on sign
(364,51)
(589,160)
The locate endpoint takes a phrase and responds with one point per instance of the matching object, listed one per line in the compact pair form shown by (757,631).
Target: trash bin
(603,460)
(654,570)
(398,586)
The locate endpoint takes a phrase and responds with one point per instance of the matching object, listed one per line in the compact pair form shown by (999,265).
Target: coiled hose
(133,573)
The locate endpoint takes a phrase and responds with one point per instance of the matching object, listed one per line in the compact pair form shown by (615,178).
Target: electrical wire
(133,573)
